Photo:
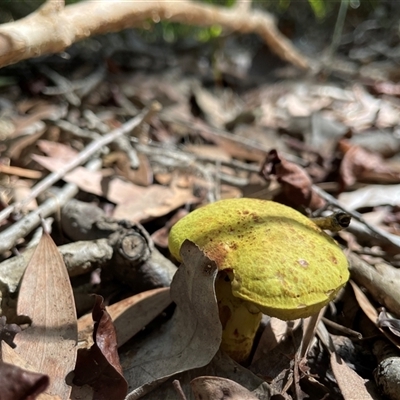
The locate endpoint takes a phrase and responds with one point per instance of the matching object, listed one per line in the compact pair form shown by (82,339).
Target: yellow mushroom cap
(276,258)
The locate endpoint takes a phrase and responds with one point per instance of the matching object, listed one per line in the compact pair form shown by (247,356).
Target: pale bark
(53,27)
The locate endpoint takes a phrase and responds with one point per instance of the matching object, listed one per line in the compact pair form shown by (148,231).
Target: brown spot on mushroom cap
(266,245)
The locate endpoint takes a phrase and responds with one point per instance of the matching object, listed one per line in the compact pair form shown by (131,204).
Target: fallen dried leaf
(193,335)
(296,184)
(372,314)
(352,386)
(361,165)
(386,321)
(99,366)
(17,383)
(129,315)
(46,297)
(135,203)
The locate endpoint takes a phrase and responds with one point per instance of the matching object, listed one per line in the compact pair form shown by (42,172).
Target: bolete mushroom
(271,259)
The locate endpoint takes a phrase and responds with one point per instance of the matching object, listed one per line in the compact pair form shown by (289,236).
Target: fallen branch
(53,27)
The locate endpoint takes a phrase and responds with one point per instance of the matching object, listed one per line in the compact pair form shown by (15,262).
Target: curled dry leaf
(212,387)
(296,183)
(129,315)
(359,164)
(46,297)
(371,313)
(99,366)
(17,383)
(8,331)
(191,338)
(386,321)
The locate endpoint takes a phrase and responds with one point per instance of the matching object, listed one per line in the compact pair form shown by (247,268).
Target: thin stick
(10,236)
(81,158)
(379,233)
(178,388)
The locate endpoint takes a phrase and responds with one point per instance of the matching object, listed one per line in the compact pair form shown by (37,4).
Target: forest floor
(112,142)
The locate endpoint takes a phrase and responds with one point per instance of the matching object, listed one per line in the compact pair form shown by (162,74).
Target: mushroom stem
(240,320)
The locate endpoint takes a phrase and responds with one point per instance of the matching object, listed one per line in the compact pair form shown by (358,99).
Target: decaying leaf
(46,297)
(99,366)
(386,321)
(129,315)
(16,383)
(135,203)
(372,314)
(296,184)
(212,387)
(352,386)
(362,165)
(193,335)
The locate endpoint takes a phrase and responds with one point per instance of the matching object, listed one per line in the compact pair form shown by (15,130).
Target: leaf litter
(233,136)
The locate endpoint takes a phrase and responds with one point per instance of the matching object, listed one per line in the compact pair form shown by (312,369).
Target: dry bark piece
(46,297)
(296,184)
(212,387)
(388,371)
(99,366)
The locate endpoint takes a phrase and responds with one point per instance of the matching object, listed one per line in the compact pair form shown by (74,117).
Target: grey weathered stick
(376,232)
(384,290)
(79,257)
(10,236)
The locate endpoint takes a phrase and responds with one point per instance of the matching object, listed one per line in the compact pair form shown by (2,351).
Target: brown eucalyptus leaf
(372,314)
(9,356)
(212,387)
(296,183)
(193,335)
(129,315)
(45,296)
(352,386)
(362,165)
(134,202)
(99,366)
(17,383)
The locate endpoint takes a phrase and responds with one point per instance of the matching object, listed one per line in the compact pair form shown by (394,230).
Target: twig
(178,388)
(82,157)
(64,86)
(341,328)
(121,142)
(21,172)
(378,233)
(56,28)
(337,34)
(384,290)
(10,236)
(76,130)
